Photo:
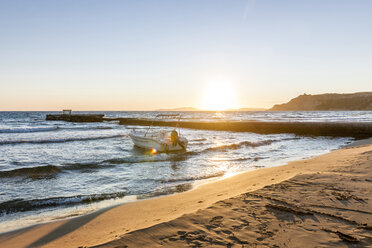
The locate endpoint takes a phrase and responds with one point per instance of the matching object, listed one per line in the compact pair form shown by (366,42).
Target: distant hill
(354,101)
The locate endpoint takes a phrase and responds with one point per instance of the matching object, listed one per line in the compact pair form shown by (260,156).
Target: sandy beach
(320,202)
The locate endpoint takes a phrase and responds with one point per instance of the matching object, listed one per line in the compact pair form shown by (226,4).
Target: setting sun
(219,96)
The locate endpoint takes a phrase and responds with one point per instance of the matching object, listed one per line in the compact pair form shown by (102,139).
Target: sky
(146,55)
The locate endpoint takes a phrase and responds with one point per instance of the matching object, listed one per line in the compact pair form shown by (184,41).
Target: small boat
(159,141)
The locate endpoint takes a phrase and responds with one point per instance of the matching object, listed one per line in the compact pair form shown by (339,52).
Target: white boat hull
(157,144)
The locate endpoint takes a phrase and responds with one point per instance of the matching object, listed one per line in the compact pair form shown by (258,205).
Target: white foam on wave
(57,140)
(28,129)
(23,205)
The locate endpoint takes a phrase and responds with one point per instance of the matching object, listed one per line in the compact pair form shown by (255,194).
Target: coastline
(113,223)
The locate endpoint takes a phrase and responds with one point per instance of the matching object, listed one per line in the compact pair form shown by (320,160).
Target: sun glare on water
(219,96)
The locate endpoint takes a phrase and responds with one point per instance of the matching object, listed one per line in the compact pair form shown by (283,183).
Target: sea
(51,170)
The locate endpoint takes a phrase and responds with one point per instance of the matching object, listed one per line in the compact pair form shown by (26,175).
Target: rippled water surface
(52,169)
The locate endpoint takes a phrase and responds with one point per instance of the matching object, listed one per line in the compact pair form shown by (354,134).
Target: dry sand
(320,202)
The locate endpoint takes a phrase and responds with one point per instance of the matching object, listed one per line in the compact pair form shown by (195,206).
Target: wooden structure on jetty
(68,116)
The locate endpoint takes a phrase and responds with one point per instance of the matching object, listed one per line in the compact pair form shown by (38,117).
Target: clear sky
(145,55)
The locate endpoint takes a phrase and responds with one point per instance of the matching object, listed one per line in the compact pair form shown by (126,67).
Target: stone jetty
(68,116)
(359,130)
(333,129)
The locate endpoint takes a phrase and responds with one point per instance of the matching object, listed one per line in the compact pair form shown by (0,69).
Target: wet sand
(321,202)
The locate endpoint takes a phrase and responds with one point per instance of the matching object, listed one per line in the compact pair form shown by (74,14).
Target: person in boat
(174,137)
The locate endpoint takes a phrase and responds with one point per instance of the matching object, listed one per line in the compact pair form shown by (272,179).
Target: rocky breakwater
(334,129)
(74,118)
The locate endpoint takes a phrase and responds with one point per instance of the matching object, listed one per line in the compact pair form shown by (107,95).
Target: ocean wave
(28,129)
(87,128)
(195,178)
(22,205)
(84,166)
(167,190)
(233,159)
(240,159)
(29,171)
(197,140)
(236,146)
(61,140)
(53,128)
(45,171)
(144,159)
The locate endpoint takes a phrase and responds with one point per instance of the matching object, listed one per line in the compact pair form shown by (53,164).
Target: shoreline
(106,225)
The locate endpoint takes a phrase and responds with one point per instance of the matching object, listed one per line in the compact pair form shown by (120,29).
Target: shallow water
(52,169)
